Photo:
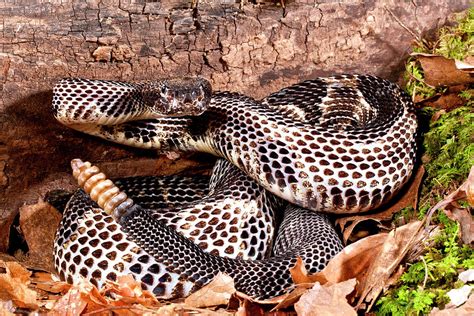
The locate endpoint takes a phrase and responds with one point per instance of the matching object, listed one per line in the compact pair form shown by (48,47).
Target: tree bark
(253,49)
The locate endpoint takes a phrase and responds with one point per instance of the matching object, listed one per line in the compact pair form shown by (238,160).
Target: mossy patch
(448,147)
(455,42)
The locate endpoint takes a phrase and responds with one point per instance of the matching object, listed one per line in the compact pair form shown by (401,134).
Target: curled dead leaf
(248,308)
(397,244)
(183,309)
(352,262)
(466,65)
(470,193)
(327,300)
(408,197)
(127,291)
(466,223)
(43,281)
(124,297)
(453,210)
(299,274)
(446,101)
(72,303)
(14,286)
(291,298)
(441,71)
(217,292)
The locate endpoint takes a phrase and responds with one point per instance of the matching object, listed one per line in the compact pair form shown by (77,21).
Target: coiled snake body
(342,144)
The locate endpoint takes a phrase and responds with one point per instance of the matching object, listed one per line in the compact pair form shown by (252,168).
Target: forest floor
(413,257)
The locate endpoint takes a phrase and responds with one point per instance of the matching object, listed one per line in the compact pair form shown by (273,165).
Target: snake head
(178,96)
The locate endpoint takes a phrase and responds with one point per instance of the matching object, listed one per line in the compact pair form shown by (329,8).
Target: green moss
(415,84)
(425,283)
(468,95)
(448,156)
(449,149)
(455,42)
(406,301)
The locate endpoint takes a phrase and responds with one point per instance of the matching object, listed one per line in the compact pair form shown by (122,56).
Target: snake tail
(186,267)
(102,190)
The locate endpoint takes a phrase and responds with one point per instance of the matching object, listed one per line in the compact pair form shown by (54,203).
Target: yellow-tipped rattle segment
(101,190)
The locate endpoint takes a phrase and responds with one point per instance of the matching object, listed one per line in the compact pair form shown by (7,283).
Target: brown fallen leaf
(461,193)
(248,308)
(271,301)
(291,298)
(451,208)
(355,260)
(84,298)
(14,286)
(397,244)
(446,101)
(128,291)
(299,274)
(327,300)
(40,219)
(183,309)
(464,218)
(82,293)
(43,281)
(441,71)
(352,262)
(72,303)
(217,292)
(408,197)
(470,191)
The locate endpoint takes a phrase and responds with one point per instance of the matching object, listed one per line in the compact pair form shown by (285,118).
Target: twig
(459,193)
(421,80)
(403,25)
(426,272)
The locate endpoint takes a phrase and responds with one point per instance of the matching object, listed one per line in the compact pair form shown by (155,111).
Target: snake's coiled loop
(341,144)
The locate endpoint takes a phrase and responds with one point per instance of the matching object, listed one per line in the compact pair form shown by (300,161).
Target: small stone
(467,276)
(459,296)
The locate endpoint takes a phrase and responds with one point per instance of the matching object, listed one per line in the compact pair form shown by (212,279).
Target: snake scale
(341,144)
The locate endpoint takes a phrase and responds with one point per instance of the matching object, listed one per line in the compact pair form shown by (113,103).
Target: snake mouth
(178,97)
